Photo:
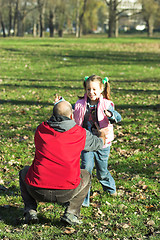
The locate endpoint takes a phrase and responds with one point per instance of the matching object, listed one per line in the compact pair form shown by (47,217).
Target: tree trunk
(77,20)
(34,30)
(60,33)
(81,18)
(51,23)
(41,17)
(112,18)
(15,18)
(10,19)
(3,26)
(41,25)
(111,29)
(20,25)
(150,26)
(116,28)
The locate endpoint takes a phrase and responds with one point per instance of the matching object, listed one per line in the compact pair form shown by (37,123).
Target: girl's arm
(112,114)
(59,99)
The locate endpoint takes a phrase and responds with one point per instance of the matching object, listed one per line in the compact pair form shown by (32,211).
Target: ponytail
(107,92)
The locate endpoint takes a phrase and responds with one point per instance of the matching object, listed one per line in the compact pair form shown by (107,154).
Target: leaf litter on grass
(27,100)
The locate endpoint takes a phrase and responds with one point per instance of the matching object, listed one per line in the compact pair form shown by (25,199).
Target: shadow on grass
(84,57)
(68,88)
(42,80)
(109,58)
(25,102)
(38,86)
(13,215)
(148,80)
(155,107)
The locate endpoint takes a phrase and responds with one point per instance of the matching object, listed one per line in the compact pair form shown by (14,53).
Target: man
(55,174)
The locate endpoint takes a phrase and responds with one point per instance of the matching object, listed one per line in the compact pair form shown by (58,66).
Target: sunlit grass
(31,72)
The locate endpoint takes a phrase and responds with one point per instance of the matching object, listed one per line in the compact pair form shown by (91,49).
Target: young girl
(96,108)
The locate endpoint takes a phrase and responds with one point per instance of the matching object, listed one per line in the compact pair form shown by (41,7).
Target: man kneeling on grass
(55,174)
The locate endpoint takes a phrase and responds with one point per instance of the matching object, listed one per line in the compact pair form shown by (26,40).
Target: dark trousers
(73,197)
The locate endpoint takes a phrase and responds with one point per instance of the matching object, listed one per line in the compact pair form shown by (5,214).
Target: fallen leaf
(96,204)
(144,187)
(69,230)
(96,193)
(125,226)
(1,181)
(122,207)
(108,203)
(151,223)
(150,208)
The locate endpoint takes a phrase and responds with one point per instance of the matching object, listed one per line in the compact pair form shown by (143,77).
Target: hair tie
(105,80)
(86,77)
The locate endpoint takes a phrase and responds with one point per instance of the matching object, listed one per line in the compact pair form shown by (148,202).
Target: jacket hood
(61,123)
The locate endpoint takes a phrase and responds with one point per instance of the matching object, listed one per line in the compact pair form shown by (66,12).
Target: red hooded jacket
(57,158)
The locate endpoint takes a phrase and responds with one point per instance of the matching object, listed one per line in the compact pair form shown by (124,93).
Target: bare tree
(9,16)
(41,10)
(113,16)
(21,9)
(150,10)
(2,25)
(51,15)
(77,18)
(115,10)
(3,5)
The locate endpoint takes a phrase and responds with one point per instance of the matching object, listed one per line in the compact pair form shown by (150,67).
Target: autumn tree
(91,17)
(81,9)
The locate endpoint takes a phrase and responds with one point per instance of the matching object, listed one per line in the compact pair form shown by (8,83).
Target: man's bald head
(63,108)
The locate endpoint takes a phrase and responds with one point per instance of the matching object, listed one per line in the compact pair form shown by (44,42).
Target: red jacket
(57,158)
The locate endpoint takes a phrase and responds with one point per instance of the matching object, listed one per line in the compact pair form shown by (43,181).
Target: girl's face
(93,90)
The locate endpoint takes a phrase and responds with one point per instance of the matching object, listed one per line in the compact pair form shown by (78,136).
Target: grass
(31,72)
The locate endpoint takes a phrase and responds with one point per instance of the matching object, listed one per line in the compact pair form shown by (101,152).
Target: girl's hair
(106,92)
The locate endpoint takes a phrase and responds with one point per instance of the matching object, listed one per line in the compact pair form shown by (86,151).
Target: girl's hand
(57,98)
(107,113)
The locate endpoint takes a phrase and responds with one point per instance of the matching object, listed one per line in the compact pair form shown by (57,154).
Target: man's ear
(71,117)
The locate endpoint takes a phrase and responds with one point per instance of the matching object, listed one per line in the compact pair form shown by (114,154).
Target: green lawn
(32,71)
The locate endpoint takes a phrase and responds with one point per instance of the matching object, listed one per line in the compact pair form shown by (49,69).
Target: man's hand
(101,133)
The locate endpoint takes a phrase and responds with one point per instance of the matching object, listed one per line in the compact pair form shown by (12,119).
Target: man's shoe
(71,219)
(31,217)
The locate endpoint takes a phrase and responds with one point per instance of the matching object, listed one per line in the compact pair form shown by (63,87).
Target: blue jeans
(101,162)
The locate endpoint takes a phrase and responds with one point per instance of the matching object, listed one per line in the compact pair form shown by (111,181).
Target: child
(96,108)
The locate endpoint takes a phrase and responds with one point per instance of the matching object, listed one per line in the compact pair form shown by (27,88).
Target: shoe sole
(66,220)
